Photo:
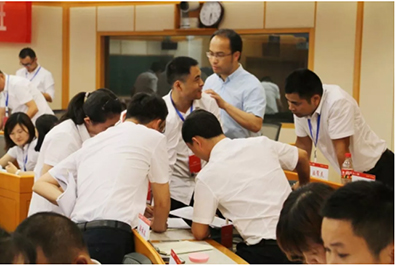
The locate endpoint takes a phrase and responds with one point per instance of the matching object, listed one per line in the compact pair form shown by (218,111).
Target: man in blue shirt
(238,93)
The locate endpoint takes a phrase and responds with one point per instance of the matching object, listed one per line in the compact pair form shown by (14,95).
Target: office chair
(271,130)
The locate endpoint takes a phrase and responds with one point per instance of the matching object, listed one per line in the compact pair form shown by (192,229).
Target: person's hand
(221,103)
(149,211)
(11,168)
(295,186)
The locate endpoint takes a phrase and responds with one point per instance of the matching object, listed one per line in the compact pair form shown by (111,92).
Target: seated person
(358,224)
(244,179)
(299,227)
(56,239)
(15,249)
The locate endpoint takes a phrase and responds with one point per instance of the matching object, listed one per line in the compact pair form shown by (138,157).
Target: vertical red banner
(16,22)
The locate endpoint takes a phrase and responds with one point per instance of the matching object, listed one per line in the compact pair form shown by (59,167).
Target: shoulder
(21,72)
(207,101)
(250,78)
(45,72)
(18,81)
(335,95)
(212,79)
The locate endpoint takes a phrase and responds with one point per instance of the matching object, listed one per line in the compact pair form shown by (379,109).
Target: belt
(104,223)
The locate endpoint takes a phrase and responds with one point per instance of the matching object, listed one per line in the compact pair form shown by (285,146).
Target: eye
(343,255)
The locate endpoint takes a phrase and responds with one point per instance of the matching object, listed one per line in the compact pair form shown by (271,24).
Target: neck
(316,107)
(214,141)
(133,120)
(182,104)
(234,68)
(33,69)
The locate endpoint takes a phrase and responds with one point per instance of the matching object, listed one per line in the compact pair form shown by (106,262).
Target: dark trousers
(384,169)
(108,245)
(265,252)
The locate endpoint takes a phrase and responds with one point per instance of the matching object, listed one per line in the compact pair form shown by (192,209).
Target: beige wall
(47,43)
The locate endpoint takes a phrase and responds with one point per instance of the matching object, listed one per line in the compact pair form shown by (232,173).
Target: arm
(47,97)
(303,167)
(304,143)
(247,120)
(161,194)
(2,115)
(47,187)
(200,231)
(32,108)
(6,159)
(341,148)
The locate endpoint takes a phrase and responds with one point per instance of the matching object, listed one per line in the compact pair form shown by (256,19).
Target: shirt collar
(83,132)
(35,70)
(233,75)
(221,145)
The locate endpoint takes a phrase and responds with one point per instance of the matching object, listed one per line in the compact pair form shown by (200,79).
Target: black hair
(44,124)
(13,246)
(57,236)
(179,68)
(369,207)
(300,219)
(235,41)
(200,123)
(157,67)
(146,107)
(27,52)
(24,121)
(99,105)
(303,82)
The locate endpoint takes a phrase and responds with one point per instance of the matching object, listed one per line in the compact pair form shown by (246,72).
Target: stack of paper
(177,223)
(187,213)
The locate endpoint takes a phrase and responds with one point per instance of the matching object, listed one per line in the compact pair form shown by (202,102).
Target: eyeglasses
(220,56)
(27,64)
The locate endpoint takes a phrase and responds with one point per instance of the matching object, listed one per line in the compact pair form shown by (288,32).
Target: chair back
(271,130)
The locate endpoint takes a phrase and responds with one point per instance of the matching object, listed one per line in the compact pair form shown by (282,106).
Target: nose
(291,107)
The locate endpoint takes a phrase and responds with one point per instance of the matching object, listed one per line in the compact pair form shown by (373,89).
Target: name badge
(174,259)
(356,176)
(143,227)
(195,165)
(319,170)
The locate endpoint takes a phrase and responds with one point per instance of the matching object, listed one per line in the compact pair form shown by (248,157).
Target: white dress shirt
(20,91)
(244,178)
(182,183)
(26,156)
(112,172)
(340,118)
(61,141)
(41,78)
(272,95)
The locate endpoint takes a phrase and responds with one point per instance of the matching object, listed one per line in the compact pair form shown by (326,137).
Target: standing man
(238,93)
(184,76)
(328,117)
(244,179)
(19,94)
(113,170)
(38,75)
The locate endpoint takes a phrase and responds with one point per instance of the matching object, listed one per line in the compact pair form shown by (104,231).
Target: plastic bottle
(347,169)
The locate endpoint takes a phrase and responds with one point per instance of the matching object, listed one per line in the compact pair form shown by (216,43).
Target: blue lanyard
(178,112)
(6,98)
(318,130)
(38,70)
(25,158)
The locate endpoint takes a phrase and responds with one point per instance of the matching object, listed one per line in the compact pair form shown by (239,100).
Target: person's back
(272,95)
(146,82)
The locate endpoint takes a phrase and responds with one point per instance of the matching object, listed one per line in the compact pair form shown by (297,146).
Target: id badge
(319,170)
(195,165)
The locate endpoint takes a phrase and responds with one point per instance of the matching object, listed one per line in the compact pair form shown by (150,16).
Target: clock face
(211,13)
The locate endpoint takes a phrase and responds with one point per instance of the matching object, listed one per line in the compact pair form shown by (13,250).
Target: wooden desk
(15,196)
(145,248)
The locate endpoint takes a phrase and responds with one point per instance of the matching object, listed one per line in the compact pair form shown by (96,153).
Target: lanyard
(178,112)
(25,158)
(317,133)
(38,70)
(6,97)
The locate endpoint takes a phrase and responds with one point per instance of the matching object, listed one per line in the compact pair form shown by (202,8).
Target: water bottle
(347,169)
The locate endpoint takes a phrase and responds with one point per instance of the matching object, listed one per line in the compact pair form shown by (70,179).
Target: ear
(236,55)
(178,85)
(87,120)
(197,142)
(81,259)
(315,99)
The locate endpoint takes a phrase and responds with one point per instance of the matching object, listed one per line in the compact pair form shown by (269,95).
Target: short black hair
(179,68)
(23,120)
(369,206)
(98,105)
(44,124)
(303,82)
(157,67)
(14,245)
(56,235)
(235,41)
(200,123)
(146,107)
(300,219)
(27,52)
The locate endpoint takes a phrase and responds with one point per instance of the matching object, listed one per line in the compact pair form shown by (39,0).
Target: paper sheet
(187,213)
(177,223)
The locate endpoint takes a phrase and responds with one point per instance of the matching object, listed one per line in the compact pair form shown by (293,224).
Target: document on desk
(182,247)
(187,213)
(177,223)
(67,199)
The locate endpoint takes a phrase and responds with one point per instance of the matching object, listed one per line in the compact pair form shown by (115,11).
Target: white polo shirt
(182,184)
(340,118)
(20,91)
(61,141)
(112,171)
(245,180)
(26,156)
(41,78)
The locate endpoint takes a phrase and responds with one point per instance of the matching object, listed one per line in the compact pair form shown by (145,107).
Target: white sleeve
(21,94)
(288,155)
(159,167)
(59,148)
(341,120)
(205,203)
(299,127)
(66,166)
(49,85)
(13,152)
(214,109)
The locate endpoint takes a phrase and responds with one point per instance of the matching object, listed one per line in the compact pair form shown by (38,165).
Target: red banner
(15,22)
